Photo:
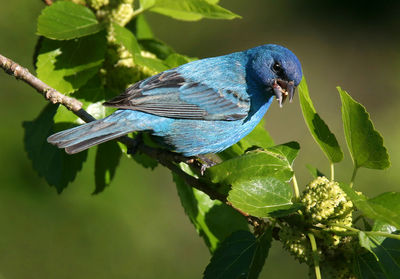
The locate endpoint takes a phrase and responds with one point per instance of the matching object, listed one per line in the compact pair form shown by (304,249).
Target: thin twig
(52,95)
(164,157)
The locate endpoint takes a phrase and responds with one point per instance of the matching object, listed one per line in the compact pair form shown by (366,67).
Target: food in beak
(282,89)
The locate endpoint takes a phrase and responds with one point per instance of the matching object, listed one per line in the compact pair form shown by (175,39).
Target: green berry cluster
(97,4)
(326,203)
(123,13)
(295,242)
(326,208)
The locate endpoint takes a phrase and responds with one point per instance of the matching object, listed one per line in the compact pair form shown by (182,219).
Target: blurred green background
(137,228)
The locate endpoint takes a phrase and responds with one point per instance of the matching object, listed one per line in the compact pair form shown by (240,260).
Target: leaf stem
(353,176)
(377,233)
(296,188)
(384,234)
(332,172)
(315,255)
(137,12)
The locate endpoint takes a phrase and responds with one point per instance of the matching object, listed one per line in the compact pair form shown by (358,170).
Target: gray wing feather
(169,94)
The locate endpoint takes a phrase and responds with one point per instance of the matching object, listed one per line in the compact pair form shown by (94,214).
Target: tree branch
(164,157)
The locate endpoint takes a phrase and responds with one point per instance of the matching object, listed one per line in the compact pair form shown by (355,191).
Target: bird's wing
(172,94)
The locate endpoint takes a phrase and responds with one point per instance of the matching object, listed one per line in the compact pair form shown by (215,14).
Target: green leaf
(258,179)
(68,65)
(271,162)
(259,137)
(385,262)
(213,220)
(146,4)
(143,159)
(128,40)
(240,256)
(67,20)
(384,207)
(174,60)
(140,27)
(153,64)
(387,204)
(261,197)
(318,128)
(94,92)
(57,167)
(191,10)
(364,142)
(108,156)
(261,253)
(157,47)
(367,267)
(314,171)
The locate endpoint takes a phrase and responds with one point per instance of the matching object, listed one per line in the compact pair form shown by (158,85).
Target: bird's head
(278,69)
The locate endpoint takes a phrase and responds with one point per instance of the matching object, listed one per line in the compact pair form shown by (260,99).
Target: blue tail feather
(85,136)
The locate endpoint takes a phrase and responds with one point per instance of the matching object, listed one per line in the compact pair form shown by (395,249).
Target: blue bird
(201,107)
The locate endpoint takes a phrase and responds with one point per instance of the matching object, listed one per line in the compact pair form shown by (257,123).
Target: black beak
(283,89)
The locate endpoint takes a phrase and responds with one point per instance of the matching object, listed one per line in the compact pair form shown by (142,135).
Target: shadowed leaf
(318,128)
(383,261)
(107,159)
(57,167)
(68,65)
(213,220)
(240,256)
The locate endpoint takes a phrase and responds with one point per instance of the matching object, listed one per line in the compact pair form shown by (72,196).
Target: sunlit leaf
(128,40)
(385,207)
(191,9)
(364,142)
(145,4)
(271,162)
(174,60)
(261,197)
(66,20)
(142,29)
(257,180)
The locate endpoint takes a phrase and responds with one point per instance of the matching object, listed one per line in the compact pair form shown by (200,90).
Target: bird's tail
(87,135)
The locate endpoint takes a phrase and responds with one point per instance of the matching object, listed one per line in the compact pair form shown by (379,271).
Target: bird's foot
(133,148)
(205,163)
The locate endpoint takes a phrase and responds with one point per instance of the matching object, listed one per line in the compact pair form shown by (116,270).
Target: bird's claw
(205,163)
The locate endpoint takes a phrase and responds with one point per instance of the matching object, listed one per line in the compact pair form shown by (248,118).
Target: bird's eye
(277,68)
